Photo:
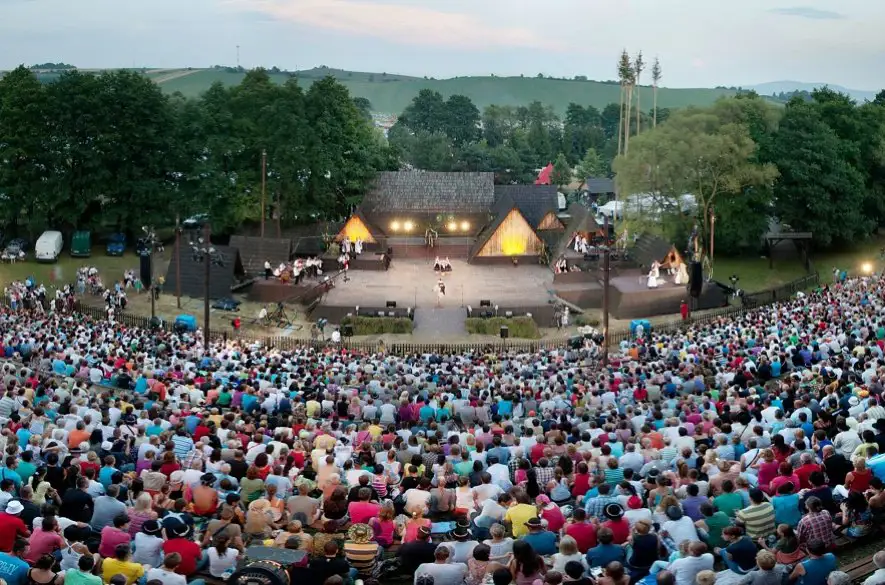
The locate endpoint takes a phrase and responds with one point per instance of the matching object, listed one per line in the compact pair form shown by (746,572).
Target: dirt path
(174,74)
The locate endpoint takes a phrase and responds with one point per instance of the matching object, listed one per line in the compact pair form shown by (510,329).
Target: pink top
(110,538)
(411,532)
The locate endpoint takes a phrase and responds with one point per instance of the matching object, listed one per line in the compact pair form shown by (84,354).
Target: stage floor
(412,283)
(633,283)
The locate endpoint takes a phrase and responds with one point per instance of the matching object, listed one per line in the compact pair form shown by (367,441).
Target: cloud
(808,12)
(400,23)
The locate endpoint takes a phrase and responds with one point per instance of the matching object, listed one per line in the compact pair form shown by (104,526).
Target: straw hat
(360,533)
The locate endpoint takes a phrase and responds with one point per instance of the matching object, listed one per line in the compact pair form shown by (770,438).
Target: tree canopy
(112,152)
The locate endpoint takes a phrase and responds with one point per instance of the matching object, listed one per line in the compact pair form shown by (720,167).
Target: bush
(379,325)
(520,327)
(582,320)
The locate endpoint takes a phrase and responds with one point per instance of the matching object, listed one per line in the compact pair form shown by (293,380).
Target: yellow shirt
(518,515)
(132,571)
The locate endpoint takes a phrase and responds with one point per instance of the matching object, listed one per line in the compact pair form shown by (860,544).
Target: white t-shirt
(686,569)
(680,530)
(218,564)
(166,577)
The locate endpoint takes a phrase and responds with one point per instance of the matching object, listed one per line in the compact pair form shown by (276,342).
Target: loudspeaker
(347,330)
(391,304)
(505,332)
(485,303)
(696,279)
(145,272)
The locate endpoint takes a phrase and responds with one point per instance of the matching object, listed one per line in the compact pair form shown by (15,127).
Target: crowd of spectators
(737,451)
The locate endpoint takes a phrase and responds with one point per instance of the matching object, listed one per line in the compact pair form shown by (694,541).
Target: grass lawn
(110,268)
(755,275)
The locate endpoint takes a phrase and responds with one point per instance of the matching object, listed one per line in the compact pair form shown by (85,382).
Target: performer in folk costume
(437,265)
(440,292)
(681,274)
(654,274)
(268,271)
(358,247)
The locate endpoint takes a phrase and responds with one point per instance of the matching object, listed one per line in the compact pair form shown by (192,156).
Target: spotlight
(867,268)
(452,226)
(408,226)
(394,226)
(465,225)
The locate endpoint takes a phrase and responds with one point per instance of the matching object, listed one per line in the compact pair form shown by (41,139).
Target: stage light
(408,226)
(452,226)
(867,268)
(465,225)
(394,226)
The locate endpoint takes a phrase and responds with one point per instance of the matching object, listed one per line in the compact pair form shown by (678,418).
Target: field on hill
(390,93)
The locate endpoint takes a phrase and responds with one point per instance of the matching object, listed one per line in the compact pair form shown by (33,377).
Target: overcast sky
(700,42)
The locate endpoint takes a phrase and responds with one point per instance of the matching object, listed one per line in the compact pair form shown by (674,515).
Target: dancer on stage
(681,274)
(440,292)
(654,274)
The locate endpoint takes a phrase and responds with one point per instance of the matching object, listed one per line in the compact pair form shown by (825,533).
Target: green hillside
(392,93)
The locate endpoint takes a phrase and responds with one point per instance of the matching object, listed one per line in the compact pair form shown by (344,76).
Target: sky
(700,43)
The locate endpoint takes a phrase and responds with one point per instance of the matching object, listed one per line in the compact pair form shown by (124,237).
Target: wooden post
(208,262)
(606,270)
(177,261)
(263,187)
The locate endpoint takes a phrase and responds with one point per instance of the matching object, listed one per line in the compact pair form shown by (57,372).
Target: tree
(626,74)
(427,112)
(638,66)
(819,190)
(590,166)
(656,76)
(562,172)
(695,152)
(364,106)
(462,120)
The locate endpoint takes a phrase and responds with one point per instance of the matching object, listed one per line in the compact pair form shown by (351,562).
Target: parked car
(48,246)
(195,221)
(116,244)
(20,243)
(81,244)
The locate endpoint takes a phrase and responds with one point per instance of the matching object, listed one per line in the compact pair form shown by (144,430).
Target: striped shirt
(362,557)
(758,519)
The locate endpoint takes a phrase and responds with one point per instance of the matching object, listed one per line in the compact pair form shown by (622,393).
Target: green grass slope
(392,93)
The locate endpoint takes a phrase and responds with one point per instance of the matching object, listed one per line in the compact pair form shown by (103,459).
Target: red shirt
(190,553)
(804,472)
(362,512)
(620,529)
(10,527)
(584,534)
(581,485)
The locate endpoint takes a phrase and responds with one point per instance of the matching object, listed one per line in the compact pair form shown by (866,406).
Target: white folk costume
(681,274)
(653,275)
(440,292)
(358,247)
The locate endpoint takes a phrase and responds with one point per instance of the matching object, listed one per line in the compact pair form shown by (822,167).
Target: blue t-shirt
(601,555)
(106,475)
(543,542)
(13,570)
(817,570)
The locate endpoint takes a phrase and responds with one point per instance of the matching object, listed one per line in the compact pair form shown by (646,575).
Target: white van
(48,246)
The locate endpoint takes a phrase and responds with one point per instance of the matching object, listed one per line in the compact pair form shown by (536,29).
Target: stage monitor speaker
(347,330)
(145,272)
(391,304)
(485,303)
(696,279)
(505,332)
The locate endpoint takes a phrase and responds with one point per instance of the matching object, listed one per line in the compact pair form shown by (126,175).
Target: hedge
(582,320)
(379,325)
(520,327)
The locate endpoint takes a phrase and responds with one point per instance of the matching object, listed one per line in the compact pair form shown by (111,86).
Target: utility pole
(606,271)
(177,261)
(263,187)
(238,56)
(712,239)
(208,260)
(153,283)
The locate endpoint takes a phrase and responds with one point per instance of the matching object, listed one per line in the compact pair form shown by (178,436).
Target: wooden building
(255,251)
(537,203)
(508,236)
(224,273)
(357,227)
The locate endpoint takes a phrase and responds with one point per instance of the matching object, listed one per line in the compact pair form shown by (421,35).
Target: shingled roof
(533,201)
(581,220)
(193,274)
(431,192)
(254,252)
(600,185)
